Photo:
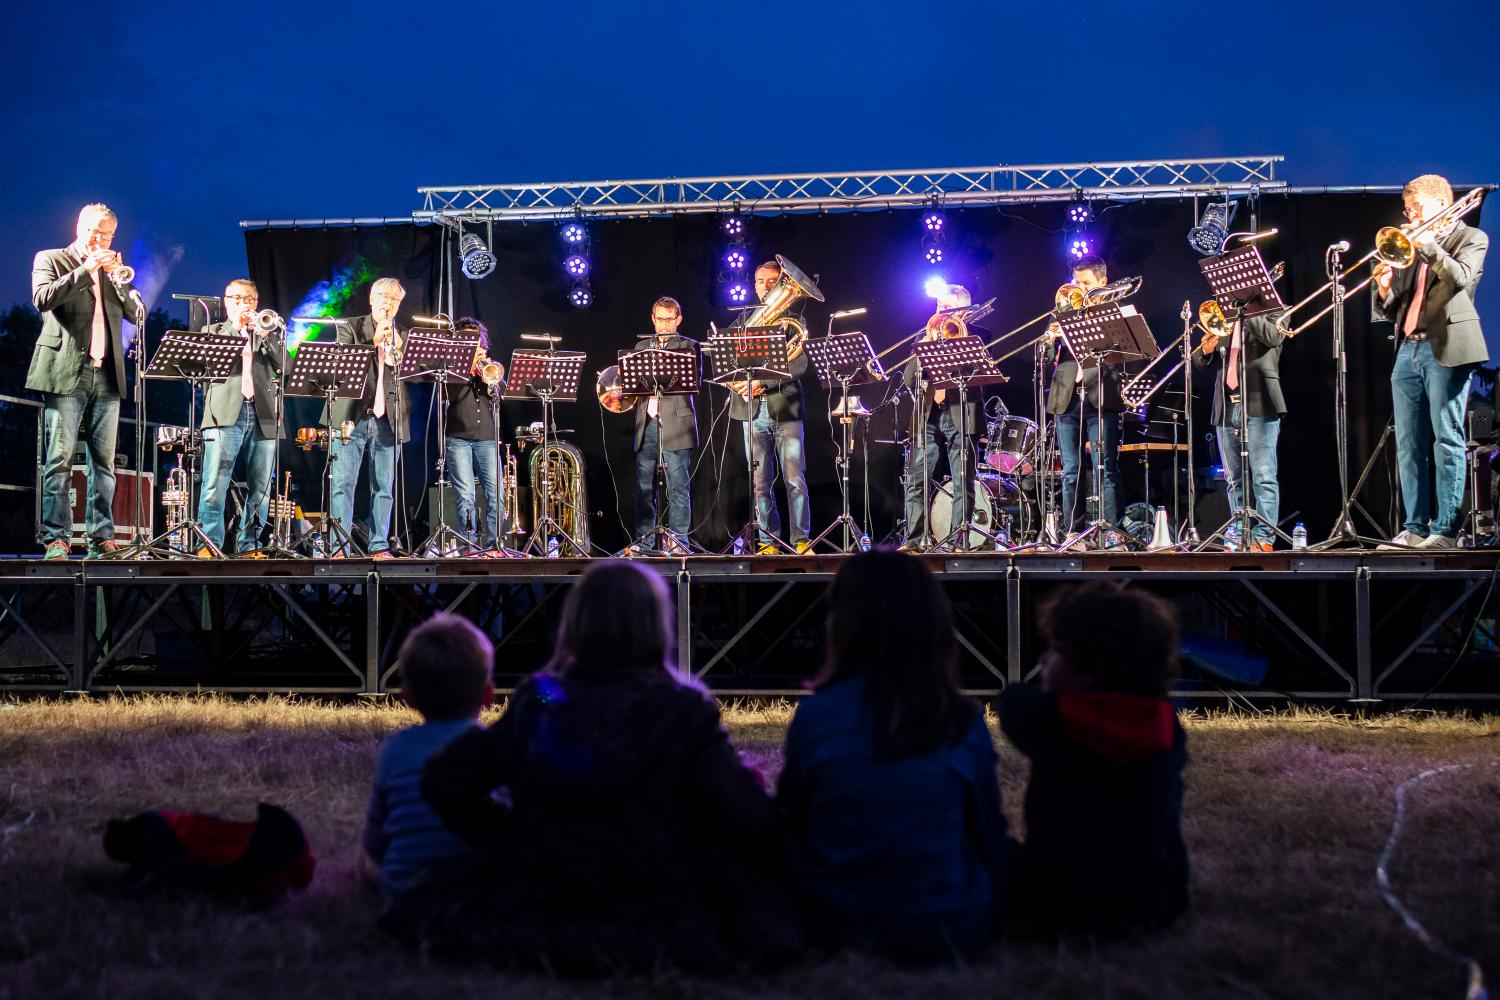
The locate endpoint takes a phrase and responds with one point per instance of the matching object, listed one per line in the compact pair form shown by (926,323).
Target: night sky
(187,118)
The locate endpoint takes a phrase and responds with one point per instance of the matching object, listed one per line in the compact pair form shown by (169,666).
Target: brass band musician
(471,446)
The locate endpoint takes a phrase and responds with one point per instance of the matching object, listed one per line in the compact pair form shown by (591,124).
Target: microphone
(843,313)
(1342,246)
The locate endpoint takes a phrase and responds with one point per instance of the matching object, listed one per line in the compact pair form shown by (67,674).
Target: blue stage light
(736,260)
(1080,214)
(739,293)
(935,286)
(733,225)
(577,265)
(932,220)
(934,254)
(573,232)
(1080,246)
(581,296)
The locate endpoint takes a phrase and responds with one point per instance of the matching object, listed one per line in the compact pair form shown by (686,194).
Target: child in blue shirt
(445,669)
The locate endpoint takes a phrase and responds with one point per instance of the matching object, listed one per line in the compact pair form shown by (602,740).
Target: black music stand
(197,358)
(957,363)
(751,354)
(331,371)
(657,372)
(1108,333)
(845,360)
(552,377)
(1243,287)
(444,359)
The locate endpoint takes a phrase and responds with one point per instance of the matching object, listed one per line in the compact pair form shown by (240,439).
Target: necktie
(99,338)
(1418,294)
(1232,369)
(380,380)
(939,396)
(247,384)
(651,408)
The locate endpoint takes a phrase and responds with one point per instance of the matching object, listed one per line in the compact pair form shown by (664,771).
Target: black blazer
(1448,316)
(222,400)
(678,418)
(361,330)
(62,290)
(1262,342)
(783,398)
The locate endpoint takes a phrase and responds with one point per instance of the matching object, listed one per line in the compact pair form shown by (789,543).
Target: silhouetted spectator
(1104,849)
(890,793)
(445,667)
(636,837)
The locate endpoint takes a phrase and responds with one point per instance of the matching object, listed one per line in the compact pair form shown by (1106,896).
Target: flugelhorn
(121,275)
(269,320)
(1395,248)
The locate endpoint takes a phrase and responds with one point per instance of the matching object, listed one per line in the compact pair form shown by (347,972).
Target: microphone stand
(140,546)
(1187,534)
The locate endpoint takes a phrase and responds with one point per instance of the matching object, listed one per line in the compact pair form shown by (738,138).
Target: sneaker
(382,555)
(1437,541)
(251,554)
(1262,546)
(765,549)
(102,546)
(803,547)
(57,549)
(204,553)
(1404,540)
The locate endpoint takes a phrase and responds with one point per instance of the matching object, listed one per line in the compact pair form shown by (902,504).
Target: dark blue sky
(190,117)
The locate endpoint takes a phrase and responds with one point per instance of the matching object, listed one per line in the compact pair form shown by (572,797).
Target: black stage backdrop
(871,259)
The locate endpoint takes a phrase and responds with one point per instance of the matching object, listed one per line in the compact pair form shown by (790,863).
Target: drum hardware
(993,496)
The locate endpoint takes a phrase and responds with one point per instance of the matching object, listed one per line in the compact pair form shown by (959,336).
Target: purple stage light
(1080,247)
(733,225)
(736,260)
(934,254)
(1079,213)
(581,297)
(935,286)
(932,221)
(739,293)
(573,232)
(576,265)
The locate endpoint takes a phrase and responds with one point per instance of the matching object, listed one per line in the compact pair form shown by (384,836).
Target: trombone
(1395,247)
(1070,297)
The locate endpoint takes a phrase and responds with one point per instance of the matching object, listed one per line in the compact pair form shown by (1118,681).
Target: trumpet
(491,373)
(392,342)
(268,321)
(1395,250)
(121,275)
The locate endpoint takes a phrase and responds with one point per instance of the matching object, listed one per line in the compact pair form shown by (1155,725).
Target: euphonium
(791,287)
(562,464)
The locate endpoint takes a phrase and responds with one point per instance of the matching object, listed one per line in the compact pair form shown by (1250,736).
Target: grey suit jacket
(1448,315)
(1262,341)
(222,401)
(63,292)
(361,330)
(679,420)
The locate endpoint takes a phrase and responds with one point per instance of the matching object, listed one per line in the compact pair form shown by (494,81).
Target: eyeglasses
(241,298)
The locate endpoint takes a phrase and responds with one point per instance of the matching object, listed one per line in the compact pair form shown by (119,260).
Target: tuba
(562,464)
(790,288)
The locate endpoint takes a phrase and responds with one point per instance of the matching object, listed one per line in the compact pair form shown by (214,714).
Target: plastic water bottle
(1299,536)
(554,548)
(864,542)
(1232,538)
(739,545)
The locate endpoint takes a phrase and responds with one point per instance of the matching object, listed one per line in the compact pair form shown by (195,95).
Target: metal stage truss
(1332,626)
(822,192)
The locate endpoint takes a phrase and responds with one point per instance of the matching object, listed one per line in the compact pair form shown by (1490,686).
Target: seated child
(1104,850)
(445,668)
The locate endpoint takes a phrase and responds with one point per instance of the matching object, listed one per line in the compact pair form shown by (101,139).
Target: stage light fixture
(733,224)
(736,259)
(934,254)
(1080,246)
(1079,213)
(739,293)
(581,295)
(1209,236)
(574,233)
(932,220)
(576,265)
(474,257)
(935,286)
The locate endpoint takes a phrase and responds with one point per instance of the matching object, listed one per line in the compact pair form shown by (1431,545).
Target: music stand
(197,358)
(957,363)
(1108,333)
(845,360)
(659,372)
(751,354)
(332,371)
(552,377)
(444,359)
(1243,287)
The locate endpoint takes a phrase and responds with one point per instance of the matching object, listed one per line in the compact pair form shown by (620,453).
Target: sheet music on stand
(537,374)
(845,358)
(675,370)
(428,352)
(319,365)
(947,363)
(1241,282)
(756,353)
(1110,332)
(185,354)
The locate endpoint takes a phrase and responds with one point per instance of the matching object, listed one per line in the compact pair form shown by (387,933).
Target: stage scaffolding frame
(851,191)
(1357,621)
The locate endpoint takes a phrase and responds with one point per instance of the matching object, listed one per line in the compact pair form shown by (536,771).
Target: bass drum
(995,495)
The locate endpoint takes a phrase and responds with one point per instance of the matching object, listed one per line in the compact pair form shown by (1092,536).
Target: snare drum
(1012,445)
(992,495)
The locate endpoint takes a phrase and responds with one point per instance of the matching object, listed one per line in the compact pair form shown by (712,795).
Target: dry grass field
(1286,817)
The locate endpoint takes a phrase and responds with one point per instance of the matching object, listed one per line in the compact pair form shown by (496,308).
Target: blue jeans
(93,406)
(939,433)
(1106,466)
(221,448)
(1263,432)
(761,434)
(378,438)
(1429,403)
(679,497)
(466,459)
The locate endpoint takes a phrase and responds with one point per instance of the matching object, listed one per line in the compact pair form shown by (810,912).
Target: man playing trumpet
(83,292)
(1439,344)
(239,414)
(470,447)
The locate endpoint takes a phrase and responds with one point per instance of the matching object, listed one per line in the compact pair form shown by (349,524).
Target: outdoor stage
(1328,627)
